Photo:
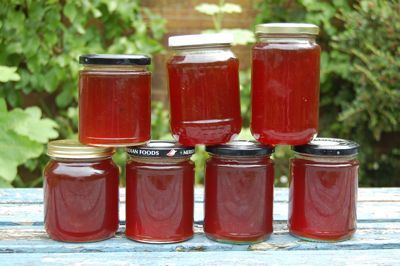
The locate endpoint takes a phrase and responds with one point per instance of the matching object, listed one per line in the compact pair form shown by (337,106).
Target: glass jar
(159,192)
(204,89)
(114,100)
(285,84)
(323,190)
(80,192)
(239,183)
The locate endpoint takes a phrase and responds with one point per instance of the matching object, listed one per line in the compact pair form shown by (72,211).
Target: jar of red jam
(159,192)
(239,192)
(204,89)
(114,100)
(323,190)
(80,192)
(285,84)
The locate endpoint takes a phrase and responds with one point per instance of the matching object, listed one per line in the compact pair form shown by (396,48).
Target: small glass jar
(239,186)
(159,192)
(323,190)
(285,84)
(80,192)
(114,100)
(204,89)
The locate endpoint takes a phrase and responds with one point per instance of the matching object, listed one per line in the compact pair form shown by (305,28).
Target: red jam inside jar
(114,100)
(80,192)
(285,84)
(204,90)
(323,190)
(159,193)
(239,193)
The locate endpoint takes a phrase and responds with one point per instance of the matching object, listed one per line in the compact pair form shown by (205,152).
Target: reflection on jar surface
(204,95)
(285,87)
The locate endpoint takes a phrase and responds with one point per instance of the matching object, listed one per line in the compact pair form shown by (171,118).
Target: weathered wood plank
(318,257)
(35,195)
(28,214)
(33,239)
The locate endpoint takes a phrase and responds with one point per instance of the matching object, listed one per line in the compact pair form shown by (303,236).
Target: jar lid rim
(114,59)
(73,149)
(161,148)
(329,147)
(180,41)
(287,28)
(241,148)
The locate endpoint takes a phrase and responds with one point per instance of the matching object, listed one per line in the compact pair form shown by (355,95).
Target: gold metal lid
(287,28)
(72,149)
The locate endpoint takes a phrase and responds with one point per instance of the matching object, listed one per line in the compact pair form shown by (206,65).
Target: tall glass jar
(204,89)
(80,192)
(159,192)
(114,100)
(239,183)
(285,83)
(323,190)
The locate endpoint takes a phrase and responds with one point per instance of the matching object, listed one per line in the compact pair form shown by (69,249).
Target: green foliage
(22,135)
(217,12)
(42,40)
(8,74)
(360,94)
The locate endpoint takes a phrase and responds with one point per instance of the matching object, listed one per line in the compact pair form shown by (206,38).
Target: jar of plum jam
(285,84)
(204,89)
(80,192)
(323,190)
(239,186)
(159,192)
(114,100)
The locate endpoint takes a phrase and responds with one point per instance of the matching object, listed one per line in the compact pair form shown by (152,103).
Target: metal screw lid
(287,28)
(72,149)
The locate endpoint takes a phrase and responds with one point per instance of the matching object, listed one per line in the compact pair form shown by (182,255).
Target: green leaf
(35,128)
(15,150)
(8,74)
(22,133)
(208,9)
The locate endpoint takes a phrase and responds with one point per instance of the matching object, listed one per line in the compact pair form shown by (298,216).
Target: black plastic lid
(328,146)
(160,148)
(114,59)
(240,148)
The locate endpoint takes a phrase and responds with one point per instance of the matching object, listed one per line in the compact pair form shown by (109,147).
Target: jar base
(157,241)
(313,238)
(111,143)
(237,242)
(82,241)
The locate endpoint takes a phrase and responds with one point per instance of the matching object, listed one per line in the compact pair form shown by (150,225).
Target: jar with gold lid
(80,192)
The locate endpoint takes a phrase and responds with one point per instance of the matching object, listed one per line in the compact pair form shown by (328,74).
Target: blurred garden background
(40,42)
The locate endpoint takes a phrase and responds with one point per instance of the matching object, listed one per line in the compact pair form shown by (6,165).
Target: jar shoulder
(81,169)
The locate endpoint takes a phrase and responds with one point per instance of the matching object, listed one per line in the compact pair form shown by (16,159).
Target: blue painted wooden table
(23,240)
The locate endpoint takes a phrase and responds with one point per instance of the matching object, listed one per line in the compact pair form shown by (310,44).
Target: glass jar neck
(286,38)
(80,160)
(159,160)
(201,49)
(324,158)
(239,158)
(137,68)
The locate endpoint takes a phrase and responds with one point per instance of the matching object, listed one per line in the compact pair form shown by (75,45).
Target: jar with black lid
(159,192)
(323,190)
(239,183)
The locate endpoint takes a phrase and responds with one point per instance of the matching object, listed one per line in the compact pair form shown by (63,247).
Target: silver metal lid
(287,28)
(200,40)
